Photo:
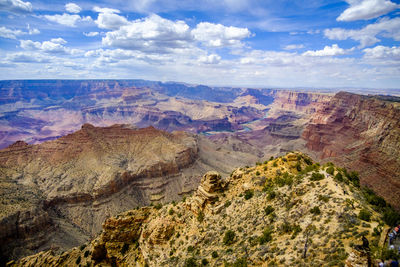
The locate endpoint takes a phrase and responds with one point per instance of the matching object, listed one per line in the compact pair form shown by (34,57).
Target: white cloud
(389,28)
(293,47)
(108,19)
(91,34)
(383,52)
(27,57)
(218,35)
(72,8)
(366,9)
(151,34)
(333,50)
(12,34)
(16,6)
(210,59)
(54,46)
(67,19)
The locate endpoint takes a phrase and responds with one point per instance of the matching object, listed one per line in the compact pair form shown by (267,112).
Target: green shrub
(124,248)
(339,177)
(330,170)
(266,236)
(353,177)
(364,215)
(323,198)
(298,166)
(315,210)
(158,206)
(78,260)
(284,159)
(82,247)
(307,160)
(190,262)
(229,237)
(86,254)
(391,217)
(258,173)
(316,176)
(171,211)
(241,262)
(269,209)
(373,199)
(271,195)
(214,254)
(204,262)
(190,249)
(275,164)
(200,216)
(248,194)
(227,203)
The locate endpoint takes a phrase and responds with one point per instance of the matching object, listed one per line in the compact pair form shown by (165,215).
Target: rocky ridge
(285,211)
(69,186)
(361,133)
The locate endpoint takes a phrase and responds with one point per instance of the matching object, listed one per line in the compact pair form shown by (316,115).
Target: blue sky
(269,43)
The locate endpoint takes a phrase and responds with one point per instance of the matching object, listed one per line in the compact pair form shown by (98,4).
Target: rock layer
(363,134)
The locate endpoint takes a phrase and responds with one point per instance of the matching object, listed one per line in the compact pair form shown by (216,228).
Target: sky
(257,43)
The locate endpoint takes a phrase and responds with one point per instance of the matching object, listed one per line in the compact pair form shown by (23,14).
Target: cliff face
(275,213)
(70,185)
(363,134)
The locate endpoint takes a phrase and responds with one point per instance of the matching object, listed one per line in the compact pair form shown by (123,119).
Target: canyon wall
(363,134)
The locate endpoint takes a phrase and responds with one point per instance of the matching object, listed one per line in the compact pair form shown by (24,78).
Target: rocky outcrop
(258,224)
(207,193)
(363,134)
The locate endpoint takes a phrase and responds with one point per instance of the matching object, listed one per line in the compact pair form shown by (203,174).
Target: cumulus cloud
(109,19)
(27,57)
(383,52)
(16,6)
(333,50)
(54,46)
(91,34)
(67,19)
(389,28)
(12,34)
(293,47)
(366,9)
(210,59)
(151,34)
(72,8)
(218,35)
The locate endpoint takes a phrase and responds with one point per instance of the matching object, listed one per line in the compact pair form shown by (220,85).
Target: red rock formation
(363,134)
(301,102)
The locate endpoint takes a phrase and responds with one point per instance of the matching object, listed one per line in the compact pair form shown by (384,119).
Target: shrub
(158,206)
(258,173)
(323,198)
(269,209)
(200,216)
(307,160)
(124,248)
(227,203)
(86,254)
(330,170)
(316,176)
(204,262)
(271,195)
(390,217)
(229,237)
(364,215)
(265,162)
(298,166)
(214,254)
(266,236)
(241,262)
(171,211)
(315,210)
(339,177)
(248,194)
(82,247)
(78,260)
(373,199)
(353,177)
(190,262)
(284,159)
(190,249)
(275,164)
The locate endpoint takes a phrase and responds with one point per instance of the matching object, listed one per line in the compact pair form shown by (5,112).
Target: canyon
(76,152)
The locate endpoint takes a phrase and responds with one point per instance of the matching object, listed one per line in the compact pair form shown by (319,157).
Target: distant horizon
(358,90)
